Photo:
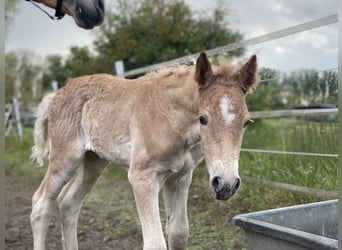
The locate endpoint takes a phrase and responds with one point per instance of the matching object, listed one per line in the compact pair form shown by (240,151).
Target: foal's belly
(117,149)
(120,154)
(117,152)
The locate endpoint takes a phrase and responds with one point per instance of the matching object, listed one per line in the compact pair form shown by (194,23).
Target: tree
(80,61)
(288,90)
(11,7)
(329,83)
(23,77)
(10,75)
(269,94)
(54,71)
(153,31)
(311,87)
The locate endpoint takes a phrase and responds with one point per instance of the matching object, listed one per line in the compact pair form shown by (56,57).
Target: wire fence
(253,150)
(293,113)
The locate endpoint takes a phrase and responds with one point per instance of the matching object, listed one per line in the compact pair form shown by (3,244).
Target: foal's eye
(203,119)
(249,121)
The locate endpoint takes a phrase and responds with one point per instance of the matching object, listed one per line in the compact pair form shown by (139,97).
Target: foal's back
(108,114)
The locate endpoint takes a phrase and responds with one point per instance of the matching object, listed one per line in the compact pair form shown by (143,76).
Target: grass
(292,135)
(210,221)
(17,161)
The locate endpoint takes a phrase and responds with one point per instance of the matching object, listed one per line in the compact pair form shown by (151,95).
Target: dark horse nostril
(101,5)
(216,183)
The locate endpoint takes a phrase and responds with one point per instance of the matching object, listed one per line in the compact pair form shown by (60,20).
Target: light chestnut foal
(160,126)
(86,13)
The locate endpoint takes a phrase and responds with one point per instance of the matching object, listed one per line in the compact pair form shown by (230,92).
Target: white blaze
(225,108)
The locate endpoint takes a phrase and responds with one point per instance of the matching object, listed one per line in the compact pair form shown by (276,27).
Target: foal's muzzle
(222,190)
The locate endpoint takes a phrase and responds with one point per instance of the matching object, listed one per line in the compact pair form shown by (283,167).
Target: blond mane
(177,70)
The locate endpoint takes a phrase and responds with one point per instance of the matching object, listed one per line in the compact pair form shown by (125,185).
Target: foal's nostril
(216,183)
(236,185)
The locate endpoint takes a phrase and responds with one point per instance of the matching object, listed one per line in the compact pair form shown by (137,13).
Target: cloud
(331,51)
(314,39)
(315,48)
(273,15)
(258,31)
(279,6)
(281,49)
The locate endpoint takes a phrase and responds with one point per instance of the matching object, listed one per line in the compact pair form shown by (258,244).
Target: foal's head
(223,116)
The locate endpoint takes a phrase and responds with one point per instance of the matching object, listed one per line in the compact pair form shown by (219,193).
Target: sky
(314,49)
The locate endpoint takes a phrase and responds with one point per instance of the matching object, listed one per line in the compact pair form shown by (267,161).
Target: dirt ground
(18,234)
(109,218)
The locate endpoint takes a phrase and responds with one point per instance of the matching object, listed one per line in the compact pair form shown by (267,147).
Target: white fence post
(54,85)
(119,68)
(8,118)
(17,118)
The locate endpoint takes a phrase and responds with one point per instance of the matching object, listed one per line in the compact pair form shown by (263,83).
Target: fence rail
(293,113)
(293,188)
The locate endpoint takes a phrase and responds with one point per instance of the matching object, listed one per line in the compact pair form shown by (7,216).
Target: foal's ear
(204,72)
(248,75)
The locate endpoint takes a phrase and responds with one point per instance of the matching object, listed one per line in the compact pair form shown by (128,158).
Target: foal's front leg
(175,193)
(146,186)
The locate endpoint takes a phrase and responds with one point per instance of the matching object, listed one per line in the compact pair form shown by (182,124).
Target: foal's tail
(41,147)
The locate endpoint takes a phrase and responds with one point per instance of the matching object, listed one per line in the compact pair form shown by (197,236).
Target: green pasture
(112,200)
(292,135)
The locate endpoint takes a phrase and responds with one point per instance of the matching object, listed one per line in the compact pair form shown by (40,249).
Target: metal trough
(309,226)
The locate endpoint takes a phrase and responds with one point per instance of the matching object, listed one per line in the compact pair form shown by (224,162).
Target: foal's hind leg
(72,195)
(63,163)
